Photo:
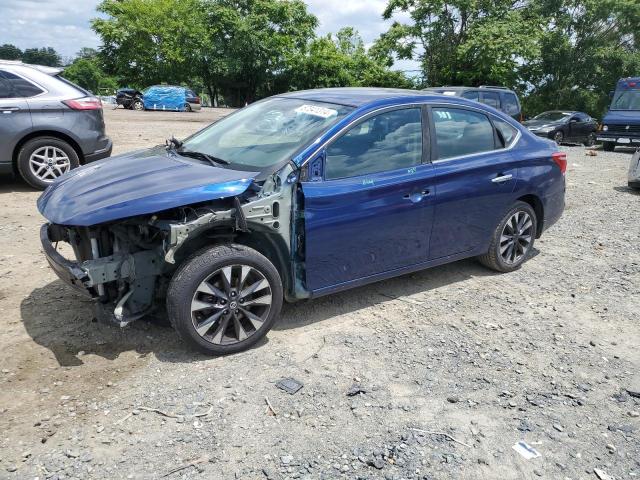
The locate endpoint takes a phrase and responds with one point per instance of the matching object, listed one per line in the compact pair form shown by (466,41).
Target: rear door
(15,117)
(475,175)
(371,209)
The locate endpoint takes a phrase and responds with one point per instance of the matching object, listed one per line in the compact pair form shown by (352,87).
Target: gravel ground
(433,375)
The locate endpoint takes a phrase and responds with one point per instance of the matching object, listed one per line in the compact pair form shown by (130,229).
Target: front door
(371,212)
(474,174)
(15,118)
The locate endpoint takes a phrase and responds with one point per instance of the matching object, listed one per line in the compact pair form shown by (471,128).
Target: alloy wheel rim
(137,106)
(559,137)
(231,305)
(48,163)
(516,237)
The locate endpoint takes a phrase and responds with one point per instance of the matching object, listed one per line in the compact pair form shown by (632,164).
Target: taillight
(561,160)
(197,100)
(84,103)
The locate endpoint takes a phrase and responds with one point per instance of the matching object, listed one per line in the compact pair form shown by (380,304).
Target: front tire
(137,105)
(512,240)
(43,159)
(224,299)
(609,146)
(591,140)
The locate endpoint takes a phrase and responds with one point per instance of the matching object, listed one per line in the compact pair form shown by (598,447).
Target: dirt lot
(548,354)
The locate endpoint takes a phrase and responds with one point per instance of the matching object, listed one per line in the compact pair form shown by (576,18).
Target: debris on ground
(289,385)
(526,450)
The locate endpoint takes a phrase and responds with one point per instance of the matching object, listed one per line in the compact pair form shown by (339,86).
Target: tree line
(556,53)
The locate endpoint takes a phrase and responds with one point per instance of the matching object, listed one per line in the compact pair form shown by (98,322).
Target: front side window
(265,133)
(461,132)
(491,98)
(387,141)
(21,87)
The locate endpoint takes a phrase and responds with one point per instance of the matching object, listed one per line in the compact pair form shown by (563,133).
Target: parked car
(298,196)
(48,125)
(562,126)
(634,171)
(621,124)
(500,98)
(130,98)
(168,97)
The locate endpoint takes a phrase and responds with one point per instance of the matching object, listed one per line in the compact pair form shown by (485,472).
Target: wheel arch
(273,248)
(538,207)
(45,133)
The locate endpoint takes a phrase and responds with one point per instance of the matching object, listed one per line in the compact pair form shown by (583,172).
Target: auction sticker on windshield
(316,111)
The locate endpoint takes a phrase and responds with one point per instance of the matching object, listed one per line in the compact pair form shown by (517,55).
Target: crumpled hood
(627,117)
(138,183)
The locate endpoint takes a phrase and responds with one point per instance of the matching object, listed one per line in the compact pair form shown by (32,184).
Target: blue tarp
(163,97)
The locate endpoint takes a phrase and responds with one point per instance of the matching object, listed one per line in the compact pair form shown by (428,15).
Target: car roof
(355,96)
(41,68)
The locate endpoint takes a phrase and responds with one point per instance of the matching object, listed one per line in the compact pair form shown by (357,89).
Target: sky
(64,24)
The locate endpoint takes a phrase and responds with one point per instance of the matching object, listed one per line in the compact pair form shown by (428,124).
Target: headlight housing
(605,128)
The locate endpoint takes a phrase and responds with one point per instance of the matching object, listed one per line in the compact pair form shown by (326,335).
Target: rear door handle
(502,178)
(9,109)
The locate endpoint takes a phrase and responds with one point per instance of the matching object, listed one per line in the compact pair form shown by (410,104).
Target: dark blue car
(298,196)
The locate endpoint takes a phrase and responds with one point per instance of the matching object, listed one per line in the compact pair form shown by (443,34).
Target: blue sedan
(297,196)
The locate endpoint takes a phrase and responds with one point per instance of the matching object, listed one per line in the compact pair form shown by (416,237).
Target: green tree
(10,52)
(341,60)
(250,44)
(87,73)
(586,46)
(42,56)
(150,41)
(466,42)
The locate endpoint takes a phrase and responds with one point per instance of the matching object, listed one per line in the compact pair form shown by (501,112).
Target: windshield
(626,100)
(266,133)
(552,116)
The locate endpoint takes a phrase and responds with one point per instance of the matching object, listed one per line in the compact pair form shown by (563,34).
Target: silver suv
(48,125)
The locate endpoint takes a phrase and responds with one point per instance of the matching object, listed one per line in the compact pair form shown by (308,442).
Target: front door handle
(9,109)
(502,178)
(417,196)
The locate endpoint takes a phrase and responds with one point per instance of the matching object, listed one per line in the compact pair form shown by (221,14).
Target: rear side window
(491,98)
(387,141)
(510,104)
(506,133)
(461,132)
(472,95)
(19,87)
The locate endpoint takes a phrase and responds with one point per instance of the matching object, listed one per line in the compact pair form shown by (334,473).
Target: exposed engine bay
(126,265)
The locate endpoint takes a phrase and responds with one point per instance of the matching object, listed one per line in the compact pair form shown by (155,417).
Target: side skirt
(395,273)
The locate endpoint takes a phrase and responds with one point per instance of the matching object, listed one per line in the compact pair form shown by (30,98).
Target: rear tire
(609,146)
(591,140)
(224,299)
(188,108)
(43,159)
(558,137)
(510,232)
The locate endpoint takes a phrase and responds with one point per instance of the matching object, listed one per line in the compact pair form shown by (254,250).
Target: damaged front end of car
(126,264)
